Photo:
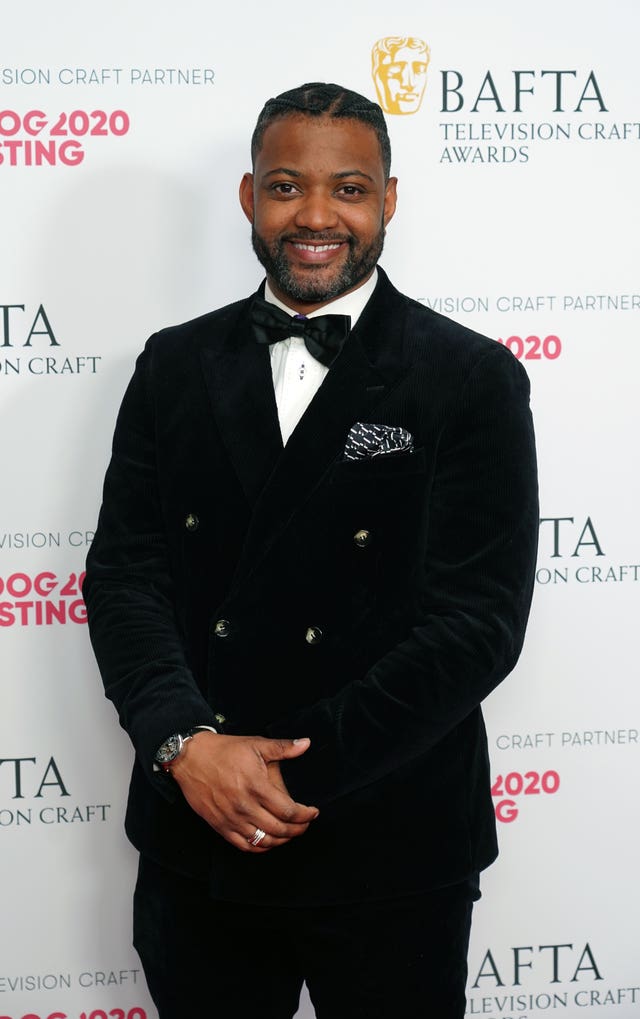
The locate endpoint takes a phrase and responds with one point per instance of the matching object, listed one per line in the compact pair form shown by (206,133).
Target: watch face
(169,749)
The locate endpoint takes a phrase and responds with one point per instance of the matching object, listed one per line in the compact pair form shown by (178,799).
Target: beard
(315,284)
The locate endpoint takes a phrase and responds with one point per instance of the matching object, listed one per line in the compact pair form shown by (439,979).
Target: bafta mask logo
(399,70)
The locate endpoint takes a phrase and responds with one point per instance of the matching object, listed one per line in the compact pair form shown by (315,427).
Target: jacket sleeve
(128,590)
(474,596)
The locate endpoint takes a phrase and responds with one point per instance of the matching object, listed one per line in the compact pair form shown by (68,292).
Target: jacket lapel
(278,480)
(237,371)
(352,390)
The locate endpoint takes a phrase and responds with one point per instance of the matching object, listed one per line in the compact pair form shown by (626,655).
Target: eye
(284,188)
(350,191)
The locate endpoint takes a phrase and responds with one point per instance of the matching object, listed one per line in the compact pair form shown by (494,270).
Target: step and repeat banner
(124,132)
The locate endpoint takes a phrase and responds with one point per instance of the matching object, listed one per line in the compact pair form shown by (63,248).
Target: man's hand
(234,783)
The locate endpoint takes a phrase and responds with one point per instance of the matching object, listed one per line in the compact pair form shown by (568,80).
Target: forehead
(321,144)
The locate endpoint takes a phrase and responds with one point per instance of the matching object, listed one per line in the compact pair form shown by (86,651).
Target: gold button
(219,719)
(362,538)
(191,522)
(222,628)
(313,635)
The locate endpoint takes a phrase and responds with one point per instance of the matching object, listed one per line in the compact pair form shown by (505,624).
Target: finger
(242,843)
(243,836)
(259,839)
(274,828)
(287,812)
(245,842)
(270,808)
(241,812)
(277,801)
(279,749)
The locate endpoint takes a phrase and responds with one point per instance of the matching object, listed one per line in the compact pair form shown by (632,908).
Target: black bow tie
(323,336)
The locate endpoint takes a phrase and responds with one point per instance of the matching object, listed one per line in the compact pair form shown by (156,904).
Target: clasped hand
(235,784)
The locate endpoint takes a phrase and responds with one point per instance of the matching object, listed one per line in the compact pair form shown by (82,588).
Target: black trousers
(204,959)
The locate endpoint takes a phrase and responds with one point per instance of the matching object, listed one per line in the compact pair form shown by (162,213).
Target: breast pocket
(386,465)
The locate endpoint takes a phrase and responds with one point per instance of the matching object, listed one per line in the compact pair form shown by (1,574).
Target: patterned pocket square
(368,440)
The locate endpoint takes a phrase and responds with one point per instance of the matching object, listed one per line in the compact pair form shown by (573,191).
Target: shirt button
(313,635)
(362,538)
(222,628)
(191,522)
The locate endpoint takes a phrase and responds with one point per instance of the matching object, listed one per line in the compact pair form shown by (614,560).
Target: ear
(390,199)
(246,196)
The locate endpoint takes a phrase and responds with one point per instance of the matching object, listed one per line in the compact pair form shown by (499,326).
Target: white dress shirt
(297,375)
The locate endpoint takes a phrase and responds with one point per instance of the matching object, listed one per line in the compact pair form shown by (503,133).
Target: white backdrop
(520,218)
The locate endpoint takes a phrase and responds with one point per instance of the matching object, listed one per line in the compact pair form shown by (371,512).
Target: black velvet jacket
(207,517)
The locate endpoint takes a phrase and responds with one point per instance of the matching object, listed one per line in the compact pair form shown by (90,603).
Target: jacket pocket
(385,465)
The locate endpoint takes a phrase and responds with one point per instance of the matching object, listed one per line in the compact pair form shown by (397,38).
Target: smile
(315,247)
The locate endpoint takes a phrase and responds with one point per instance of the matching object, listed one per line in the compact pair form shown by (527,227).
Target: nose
(317,212)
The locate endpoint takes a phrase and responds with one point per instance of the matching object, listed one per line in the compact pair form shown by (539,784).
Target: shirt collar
(347,304)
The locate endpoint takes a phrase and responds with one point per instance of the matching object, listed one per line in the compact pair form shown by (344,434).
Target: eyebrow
(352,173)
(281,169)
(296,173)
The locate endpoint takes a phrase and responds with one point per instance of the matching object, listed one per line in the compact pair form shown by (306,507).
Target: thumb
(280,749)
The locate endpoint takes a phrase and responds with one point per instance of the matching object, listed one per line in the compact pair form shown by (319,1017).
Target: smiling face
(318,204)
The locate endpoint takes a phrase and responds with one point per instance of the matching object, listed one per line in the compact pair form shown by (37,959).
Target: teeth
(315,247)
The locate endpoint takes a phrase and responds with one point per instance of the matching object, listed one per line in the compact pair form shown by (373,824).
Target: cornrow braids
(322,99)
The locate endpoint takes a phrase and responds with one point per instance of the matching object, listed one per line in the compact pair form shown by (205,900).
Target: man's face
(403,79)
(318,204)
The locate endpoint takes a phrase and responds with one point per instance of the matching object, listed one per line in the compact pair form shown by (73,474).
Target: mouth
(315,252)
(304,246)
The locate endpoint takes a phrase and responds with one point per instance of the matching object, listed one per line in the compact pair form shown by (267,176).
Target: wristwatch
(172,747)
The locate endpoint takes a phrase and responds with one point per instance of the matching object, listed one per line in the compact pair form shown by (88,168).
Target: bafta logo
(399,70)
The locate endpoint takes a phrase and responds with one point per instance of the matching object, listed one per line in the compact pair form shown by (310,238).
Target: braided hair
(321,99)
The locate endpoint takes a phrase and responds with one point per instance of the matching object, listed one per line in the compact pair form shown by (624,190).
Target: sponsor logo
(554,964)
(14,541)
(469,304)
(505,92)
(534,348)
(96,1013)
(521,94)
(37,138)
(41,599)
(24,329)
(399,71)
(88,979)
(507,789)
(574,539)
(56,981)
(498,115)
(106,76)
(28,780)
(569,739)
(499,978)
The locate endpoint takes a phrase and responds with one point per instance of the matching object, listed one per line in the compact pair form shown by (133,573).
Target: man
(314,559)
